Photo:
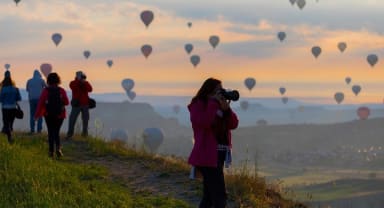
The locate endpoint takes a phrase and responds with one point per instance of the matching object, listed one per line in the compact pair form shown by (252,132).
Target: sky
(248,47)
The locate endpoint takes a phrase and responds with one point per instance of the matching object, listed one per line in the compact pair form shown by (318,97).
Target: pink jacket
(204,152)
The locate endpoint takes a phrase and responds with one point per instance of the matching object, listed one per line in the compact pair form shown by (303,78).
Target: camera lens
(230,95)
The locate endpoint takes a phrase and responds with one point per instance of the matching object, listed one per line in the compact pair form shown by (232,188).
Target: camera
(230,94)
(83,76)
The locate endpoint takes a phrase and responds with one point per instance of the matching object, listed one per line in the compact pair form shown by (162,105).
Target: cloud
(247,30)
(115,25)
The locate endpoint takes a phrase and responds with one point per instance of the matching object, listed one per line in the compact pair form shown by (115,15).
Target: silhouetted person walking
(34,87)
(51,105)
(9,96)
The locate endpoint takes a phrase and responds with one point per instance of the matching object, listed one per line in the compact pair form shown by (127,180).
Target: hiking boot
(59,153)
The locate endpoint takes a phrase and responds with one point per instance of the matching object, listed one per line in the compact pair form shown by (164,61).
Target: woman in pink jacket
(212,119)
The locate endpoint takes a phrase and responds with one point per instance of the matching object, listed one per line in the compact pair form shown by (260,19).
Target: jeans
(32,111)
(75,111)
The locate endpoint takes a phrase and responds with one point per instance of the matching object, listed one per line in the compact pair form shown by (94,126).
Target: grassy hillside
(98,174)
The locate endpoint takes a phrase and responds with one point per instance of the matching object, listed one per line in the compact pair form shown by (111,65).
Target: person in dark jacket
(212,119)
(80,103)
(54,120)
(34,87)
(9,96)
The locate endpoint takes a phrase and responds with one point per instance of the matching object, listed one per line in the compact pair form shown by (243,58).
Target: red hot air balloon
(46,68)
(363,112)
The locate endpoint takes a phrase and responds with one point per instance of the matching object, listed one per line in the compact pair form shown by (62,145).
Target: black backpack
(54,104)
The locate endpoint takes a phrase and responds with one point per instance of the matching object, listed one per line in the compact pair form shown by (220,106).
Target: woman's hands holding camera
(224,104)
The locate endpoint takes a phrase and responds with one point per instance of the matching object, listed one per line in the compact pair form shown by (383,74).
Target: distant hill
(313,144)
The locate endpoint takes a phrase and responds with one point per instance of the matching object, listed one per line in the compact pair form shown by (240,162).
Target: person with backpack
(51,105)
(9,96)
(34,87)
(80,103)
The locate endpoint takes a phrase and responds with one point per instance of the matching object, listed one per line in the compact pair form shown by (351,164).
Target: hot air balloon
(153,137)
(176,109)
(292,1)
(244,105)
(363,112)
(214,40)
(131,95)
(46,68)
(372,59)
(356,89)
(189,24)
(87,54)
(250,83)
(316,51)
(109,63)
(56,38)
(188,48)
(339,97)
(284,100)
(300,3)
(127,84)
(281,36)
(7,66)
(119,134)
(146,50)
(282,90)
(342,46)
(147,17)
(348,80)
(195,60)
(16,1)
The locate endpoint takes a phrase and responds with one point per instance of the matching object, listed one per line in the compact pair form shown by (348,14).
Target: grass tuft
(29,178)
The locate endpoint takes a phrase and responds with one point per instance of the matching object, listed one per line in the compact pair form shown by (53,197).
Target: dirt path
(140,176)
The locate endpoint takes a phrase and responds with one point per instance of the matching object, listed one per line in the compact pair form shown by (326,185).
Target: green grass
(29,178)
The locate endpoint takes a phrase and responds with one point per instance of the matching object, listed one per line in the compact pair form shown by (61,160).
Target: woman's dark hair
(53,79)
(7,81)
(207,88)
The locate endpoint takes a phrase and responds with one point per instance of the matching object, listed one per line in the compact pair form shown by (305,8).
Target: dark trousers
(8,119)
(32,122)
(53,126)
(75,111)
(214,192)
